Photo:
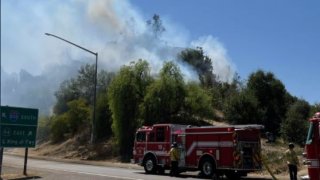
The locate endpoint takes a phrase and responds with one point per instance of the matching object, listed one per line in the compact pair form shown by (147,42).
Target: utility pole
(94,121)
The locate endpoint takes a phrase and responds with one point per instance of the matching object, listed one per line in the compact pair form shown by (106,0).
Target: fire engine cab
(312,148)
(214,150)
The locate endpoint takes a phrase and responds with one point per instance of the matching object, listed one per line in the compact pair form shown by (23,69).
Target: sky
(239,36)
(282,37)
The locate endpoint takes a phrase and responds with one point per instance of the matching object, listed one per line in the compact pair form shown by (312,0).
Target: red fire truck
(312,148)
(214,150)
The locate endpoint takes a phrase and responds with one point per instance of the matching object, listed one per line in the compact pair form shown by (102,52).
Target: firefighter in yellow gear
(174,157)
(292,162)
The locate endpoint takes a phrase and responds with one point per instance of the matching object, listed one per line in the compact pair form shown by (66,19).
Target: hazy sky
(240,36)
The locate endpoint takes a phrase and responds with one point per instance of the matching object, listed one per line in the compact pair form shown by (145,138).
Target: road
(43,169)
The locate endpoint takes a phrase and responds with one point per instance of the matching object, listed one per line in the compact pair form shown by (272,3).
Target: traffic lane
(57,170)
(16,173)
(72,169)
(11,172)
(94,172)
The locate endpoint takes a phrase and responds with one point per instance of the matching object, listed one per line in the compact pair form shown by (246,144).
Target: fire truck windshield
(141,136)
(310,133)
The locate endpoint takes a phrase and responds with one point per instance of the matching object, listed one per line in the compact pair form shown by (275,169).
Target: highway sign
(18,126)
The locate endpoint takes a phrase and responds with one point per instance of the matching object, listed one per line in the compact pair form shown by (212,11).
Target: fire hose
(264,162)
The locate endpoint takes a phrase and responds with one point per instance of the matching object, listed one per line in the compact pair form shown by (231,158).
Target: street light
(94,122)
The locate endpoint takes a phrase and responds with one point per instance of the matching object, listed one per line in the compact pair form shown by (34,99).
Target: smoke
(33,65)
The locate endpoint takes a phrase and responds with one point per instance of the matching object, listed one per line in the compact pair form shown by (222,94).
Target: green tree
(125,93)
(242,109)
(271,96)
(297,116)
(81,86)
(68,91)
(59,128)
(71,122)
(224,90)
(165,96)
(85,83)
(202,65)
(104,119)
(78,116)
(103,113)
(198,102)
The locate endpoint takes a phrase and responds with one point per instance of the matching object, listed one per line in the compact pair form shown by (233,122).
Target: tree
(297,116)
(43,130)
(202,65)
(223,91)
(59,128)
(68,91)
(81,86)
(156,25)
(271,97)
(104,119)
(85,83)
(242,109)
(198,102)
(165,97)
(103,113)
(78,115)
(125,93)
(71,122)
(314,108)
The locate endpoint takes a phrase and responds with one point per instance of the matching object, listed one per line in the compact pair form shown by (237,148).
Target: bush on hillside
(58,128)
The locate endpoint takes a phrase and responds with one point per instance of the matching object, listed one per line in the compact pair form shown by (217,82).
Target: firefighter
(292,162)
(174,157)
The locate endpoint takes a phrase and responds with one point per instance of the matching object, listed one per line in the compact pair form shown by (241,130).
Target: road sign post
(25,162)
(1,156)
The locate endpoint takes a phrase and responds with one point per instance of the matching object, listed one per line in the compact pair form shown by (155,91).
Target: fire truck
(312,148)
(214,150)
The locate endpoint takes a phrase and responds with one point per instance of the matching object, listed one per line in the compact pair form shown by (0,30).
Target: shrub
(294,128)
(59,128)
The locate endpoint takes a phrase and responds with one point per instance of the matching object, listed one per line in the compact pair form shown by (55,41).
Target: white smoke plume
(116,29)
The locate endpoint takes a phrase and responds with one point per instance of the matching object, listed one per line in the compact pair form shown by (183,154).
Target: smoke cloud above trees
(33,65)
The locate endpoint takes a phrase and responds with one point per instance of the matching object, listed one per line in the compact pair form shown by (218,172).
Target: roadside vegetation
(132,97)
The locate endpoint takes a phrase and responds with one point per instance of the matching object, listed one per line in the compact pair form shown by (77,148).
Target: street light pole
(94,122)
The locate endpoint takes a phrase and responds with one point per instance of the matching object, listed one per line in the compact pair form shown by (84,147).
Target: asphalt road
(43,169)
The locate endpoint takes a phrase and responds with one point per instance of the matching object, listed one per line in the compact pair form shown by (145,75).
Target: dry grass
(273,154)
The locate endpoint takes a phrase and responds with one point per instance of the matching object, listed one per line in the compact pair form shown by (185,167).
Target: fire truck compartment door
(182,161)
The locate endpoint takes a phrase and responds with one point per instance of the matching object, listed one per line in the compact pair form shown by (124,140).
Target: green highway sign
(18,126)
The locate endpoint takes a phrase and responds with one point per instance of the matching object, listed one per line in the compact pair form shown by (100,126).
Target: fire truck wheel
(149,165)
(207,167)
